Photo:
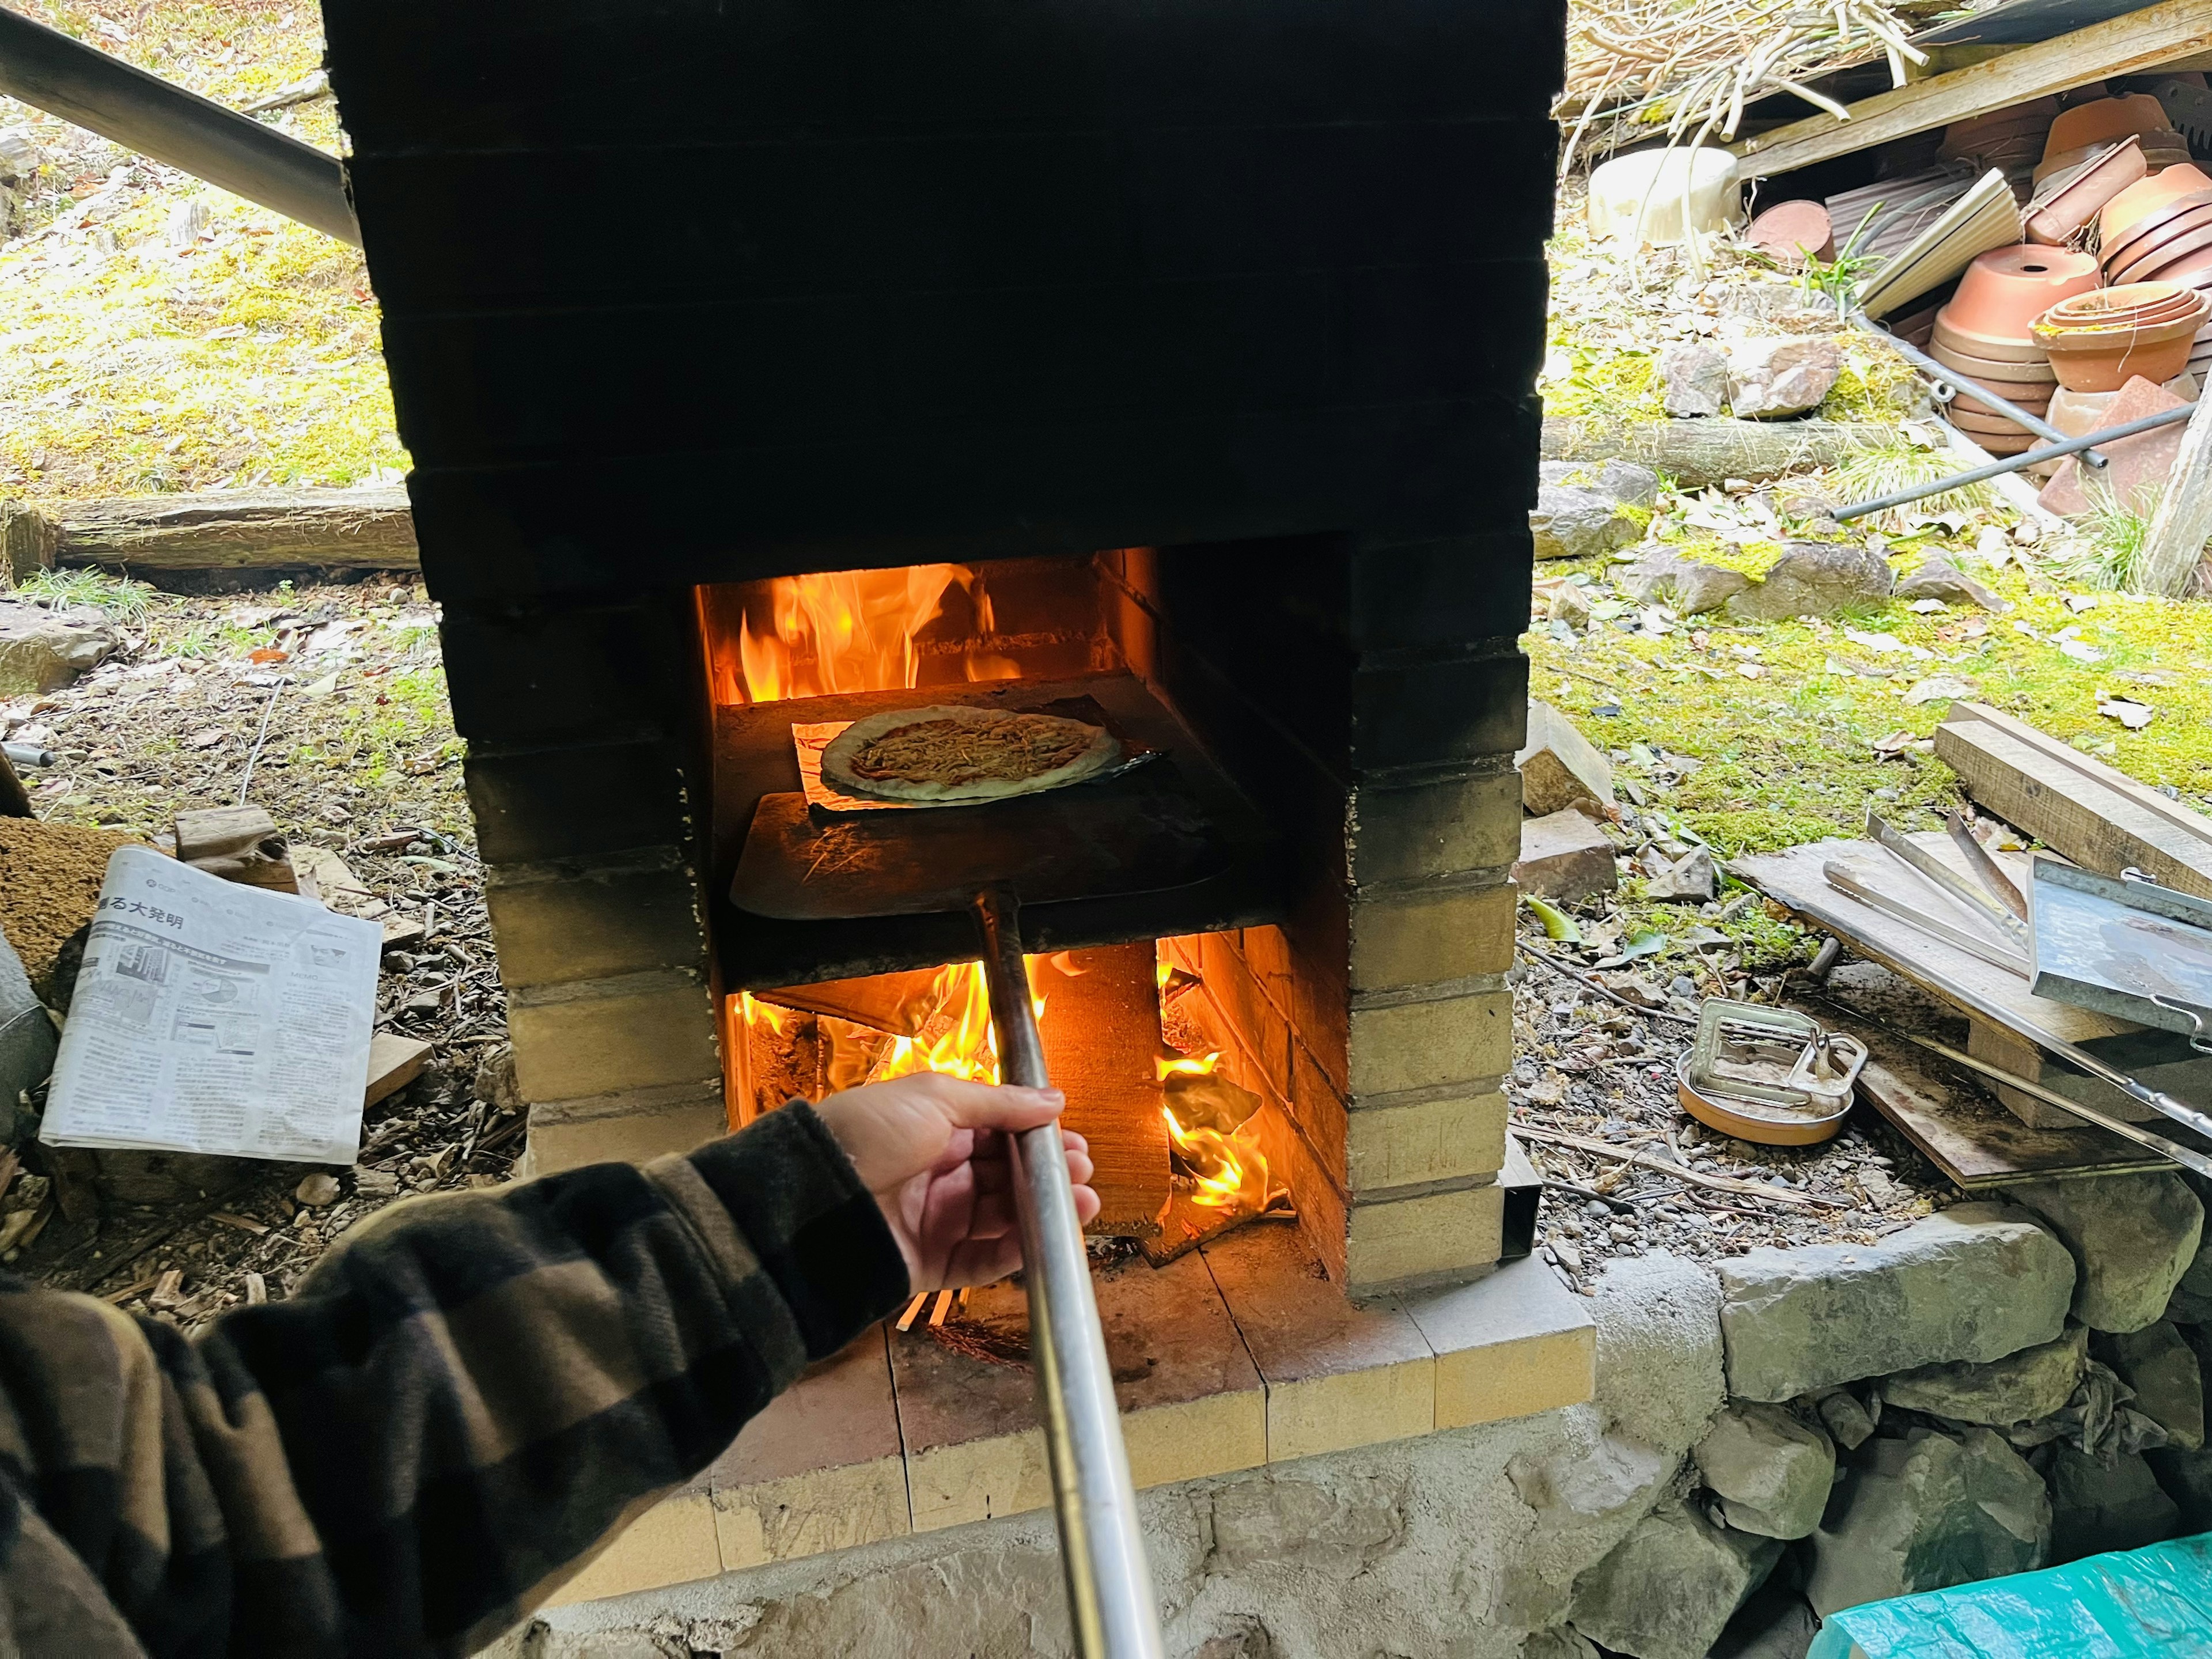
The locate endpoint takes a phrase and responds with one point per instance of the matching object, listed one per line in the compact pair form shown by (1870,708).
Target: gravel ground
(325,705)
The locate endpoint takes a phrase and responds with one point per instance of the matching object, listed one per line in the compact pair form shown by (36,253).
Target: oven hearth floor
(1237,1355)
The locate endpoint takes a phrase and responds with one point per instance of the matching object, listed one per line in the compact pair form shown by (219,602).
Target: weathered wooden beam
(2174,547)
(1709,449)
(2140,40)
(2100,818)
(244,529)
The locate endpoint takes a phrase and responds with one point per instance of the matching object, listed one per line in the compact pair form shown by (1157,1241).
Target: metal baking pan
(2131,949)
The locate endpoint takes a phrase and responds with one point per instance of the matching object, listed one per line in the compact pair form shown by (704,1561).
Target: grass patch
(117,598)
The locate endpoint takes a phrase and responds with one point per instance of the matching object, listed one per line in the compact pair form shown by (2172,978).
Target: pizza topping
(996,748)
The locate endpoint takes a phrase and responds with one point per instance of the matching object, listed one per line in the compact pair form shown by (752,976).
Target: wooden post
(26,541)
(14,799)
(2182,523)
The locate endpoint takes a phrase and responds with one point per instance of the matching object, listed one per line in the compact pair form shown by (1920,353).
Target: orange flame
(854,631)
(1228,1170)
(956,1036)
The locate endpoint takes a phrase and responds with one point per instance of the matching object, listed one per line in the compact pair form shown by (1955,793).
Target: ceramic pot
(1791,230)
(2170,253)
(2106,359)
(2073,203)
(2077,414)
(2120,214)
(1987,348)
(2132,305)
(1995,426)
(2006,289)
(2106,121)
(1965,404)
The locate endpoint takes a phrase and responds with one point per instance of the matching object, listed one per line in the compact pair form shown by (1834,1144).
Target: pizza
(948,754)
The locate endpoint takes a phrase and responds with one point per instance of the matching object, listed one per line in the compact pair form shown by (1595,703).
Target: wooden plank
(239,844)
(246,529)
(394,1061)
(2174,549)
(2140,40)
(1707,452)
(1972,1138)
(2088,812)
(1101,1028)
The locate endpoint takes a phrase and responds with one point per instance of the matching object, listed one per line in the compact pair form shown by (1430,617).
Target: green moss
(1583,382)
(1875,385)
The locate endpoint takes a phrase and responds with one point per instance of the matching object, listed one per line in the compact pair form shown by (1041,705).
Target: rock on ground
(40,651)
(1558,765)
(1925,1512)
(2187,1478)
(2132,1237)
(2169,1383)
(2035,1382)
(1771,375)
(2096,1506)
(1693,378)
(2191,1302)
(1771,1472)
(1815,579)
(1662,575)
(1659,1352)
(1691,877)
(1939,579)
(1974,1283)
(1586,508)
(1777,1623)
(1669,1587)
(1565,855)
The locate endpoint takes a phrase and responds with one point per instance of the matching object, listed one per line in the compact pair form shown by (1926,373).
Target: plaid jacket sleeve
(455,1411)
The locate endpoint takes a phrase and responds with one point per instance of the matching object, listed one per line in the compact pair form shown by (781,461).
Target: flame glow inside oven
(854,631)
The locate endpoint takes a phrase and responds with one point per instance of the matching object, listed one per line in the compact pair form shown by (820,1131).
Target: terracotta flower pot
(2106,121)
(1968,404)
(2006,289)
(2170,253)
(2118,221)
(1988,347)
(2091,359)
(2076,201)
(2128,306)
(1791,230)
(1994,426)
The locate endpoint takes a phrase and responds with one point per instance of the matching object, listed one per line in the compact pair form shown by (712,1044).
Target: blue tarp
(2133,1604)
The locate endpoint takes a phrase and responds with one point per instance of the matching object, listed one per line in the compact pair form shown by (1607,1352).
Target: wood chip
(237,1221)
(257,1289)
(117,1298)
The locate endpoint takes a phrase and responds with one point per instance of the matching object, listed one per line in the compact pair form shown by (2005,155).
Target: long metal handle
(1110,1600)
(1980,393)
(50,71)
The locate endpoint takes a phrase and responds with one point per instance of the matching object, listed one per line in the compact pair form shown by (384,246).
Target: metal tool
(1978,904)
(1943,374)
(1135,834)
(2001,886)
(99,91)
(1996,955)
(2187,1156)
(2132,949)
(1997,469)
(1771,1075)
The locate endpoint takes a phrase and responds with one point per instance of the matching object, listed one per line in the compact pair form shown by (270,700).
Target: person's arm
(470,1396)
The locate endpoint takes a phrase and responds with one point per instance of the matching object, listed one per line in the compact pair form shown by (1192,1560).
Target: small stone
(2035,1382)
(375,1183)
(1691,878)
(1569,605)
(1781,374)
(1815,579)
(1664,575)
(1583,508)
(2187,1478)
(1694,380)
(188,222)
(318,1189)
(2132,1238)
(1568,1256)
(2097,1506)
(2191,1302)
(1848,1421)
(41,652)
(1559,766)
(1771,1472)
(1976,1282)
(1667,1589)
(1565,855)
(1941,688)
(2169,1383)
(1926,1512)
(1939,579)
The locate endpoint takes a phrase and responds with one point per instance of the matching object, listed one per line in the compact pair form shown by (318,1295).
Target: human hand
(932,1150)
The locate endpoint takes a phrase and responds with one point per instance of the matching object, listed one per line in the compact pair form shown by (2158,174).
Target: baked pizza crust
(994,742)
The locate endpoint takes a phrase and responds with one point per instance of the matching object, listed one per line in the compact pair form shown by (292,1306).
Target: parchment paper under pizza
(947,756)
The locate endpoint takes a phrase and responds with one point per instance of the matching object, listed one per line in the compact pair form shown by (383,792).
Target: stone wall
(2001,1387)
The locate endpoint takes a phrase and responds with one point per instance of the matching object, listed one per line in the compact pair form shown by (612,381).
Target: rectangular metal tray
(2119,947)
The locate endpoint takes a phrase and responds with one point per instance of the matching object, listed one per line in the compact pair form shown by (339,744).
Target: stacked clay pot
(2010,140)
(1986,336)
(2079,132)
(2099,341)
(2159,230)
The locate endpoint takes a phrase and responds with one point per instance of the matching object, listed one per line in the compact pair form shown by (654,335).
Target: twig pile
(1695,64)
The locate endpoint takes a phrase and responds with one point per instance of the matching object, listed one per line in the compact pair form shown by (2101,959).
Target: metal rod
(1957,938)
(2001,886)
(1981,394)
(2014,462)
(1922,862)
(1111,1604)
(49,71)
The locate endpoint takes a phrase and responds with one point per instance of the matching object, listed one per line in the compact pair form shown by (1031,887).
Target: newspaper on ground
(212,1016)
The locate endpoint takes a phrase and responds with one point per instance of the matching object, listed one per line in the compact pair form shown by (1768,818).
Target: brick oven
(763,365)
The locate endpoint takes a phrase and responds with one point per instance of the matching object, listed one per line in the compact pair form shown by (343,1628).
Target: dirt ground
(327,706)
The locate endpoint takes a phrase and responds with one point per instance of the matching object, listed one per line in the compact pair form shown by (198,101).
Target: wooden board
(1100,1027)
(2140,40)
(1709,451)
(246,529)
(394,1062)
(1970,1137)
(2100,818)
